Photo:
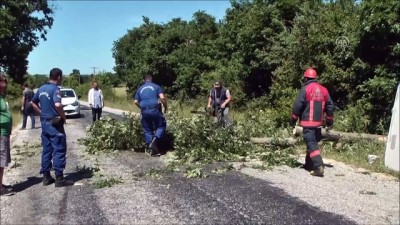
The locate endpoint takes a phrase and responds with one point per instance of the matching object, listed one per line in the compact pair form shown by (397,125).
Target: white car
(70,102)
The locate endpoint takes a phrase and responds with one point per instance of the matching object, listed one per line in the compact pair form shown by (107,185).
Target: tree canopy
(262,47)
(22,24)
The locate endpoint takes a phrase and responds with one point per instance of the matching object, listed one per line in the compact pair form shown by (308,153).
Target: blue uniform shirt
(48,95)
(148,94)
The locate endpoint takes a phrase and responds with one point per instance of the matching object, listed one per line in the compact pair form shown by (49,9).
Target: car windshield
(67,94)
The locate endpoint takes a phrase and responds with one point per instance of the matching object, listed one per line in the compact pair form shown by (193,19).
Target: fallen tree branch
(274,141)
(199,112)
(335,135)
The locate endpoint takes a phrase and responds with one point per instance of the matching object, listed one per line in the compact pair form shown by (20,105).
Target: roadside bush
(14,90)
(353,119)
(261,123)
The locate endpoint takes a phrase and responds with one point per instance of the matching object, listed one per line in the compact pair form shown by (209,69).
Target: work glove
(329,125)
(293,122)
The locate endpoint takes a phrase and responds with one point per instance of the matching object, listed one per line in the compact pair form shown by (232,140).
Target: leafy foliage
(110,134)
(195,140)
(261,49)
(22,23)
(198,139)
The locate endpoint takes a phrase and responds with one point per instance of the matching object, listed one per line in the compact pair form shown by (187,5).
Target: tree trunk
(274,141)
(335,135)
(199,112)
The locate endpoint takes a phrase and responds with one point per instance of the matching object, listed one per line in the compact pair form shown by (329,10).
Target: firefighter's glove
(329,125)
(293,122)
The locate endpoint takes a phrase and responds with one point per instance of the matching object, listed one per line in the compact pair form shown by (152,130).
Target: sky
(83,32)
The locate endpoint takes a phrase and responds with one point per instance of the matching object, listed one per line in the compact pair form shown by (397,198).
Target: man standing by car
(96,101)
(26,107)
(54,139)
(153,121)
(312,102)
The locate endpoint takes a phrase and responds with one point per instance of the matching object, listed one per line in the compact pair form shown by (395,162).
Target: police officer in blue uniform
(153,121)
(53,136)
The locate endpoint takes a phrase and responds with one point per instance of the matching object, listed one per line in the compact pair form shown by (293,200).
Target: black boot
(318,172)
(47,179)
(62,182)
(153,148)
(309,165)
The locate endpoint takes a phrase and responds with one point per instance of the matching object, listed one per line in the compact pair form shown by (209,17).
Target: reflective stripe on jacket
(312,102)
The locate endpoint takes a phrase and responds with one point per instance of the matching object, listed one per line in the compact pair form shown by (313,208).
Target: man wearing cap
(312,102)
(218,103)
(147,98)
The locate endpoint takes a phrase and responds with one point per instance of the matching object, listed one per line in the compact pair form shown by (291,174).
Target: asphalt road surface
(229,198)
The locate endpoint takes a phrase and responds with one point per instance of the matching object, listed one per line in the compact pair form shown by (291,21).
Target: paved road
(230,198)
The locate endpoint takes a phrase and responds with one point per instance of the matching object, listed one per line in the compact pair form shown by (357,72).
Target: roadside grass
(356,153)
(122,104)
(117,100)
(120,91)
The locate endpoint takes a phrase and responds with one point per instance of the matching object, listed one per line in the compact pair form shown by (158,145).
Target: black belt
(149,107)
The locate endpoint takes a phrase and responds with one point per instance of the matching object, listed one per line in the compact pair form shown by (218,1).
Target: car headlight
(76,103)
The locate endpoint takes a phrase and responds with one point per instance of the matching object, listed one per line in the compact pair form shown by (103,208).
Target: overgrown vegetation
(22,24)
(261,49)
(110,134)
(356,153)
(195,140)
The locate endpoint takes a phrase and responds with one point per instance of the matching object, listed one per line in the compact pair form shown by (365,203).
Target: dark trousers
(313,158)
(96,113)
(154,124)
(26,113)
(54,142)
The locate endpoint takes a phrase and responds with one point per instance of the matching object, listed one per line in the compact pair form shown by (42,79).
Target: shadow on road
(81,173)
(76,116)
(29,182)
(83,107)
(166,144)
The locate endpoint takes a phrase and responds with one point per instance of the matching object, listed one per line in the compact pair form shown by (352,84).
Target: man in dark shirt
(26,107)
(218,103)
(153,120)
(54,140)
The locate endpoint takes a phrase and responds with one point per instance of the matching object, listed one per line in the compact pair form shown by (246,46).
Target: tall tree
(22,24)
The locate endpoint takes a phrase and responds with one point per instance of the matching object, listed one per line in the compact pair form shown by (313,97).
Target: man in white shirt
(96,101)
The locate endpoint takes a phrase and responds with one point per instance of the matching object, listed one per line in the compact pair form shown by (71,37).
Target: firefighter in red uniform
(312,102)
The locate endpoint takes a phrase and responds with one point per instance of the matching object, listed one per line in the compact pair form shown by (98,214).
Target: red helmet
(310,73)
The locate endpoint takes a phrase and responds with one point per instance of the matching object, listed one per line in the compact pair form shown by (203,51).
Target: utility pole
(94,69)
